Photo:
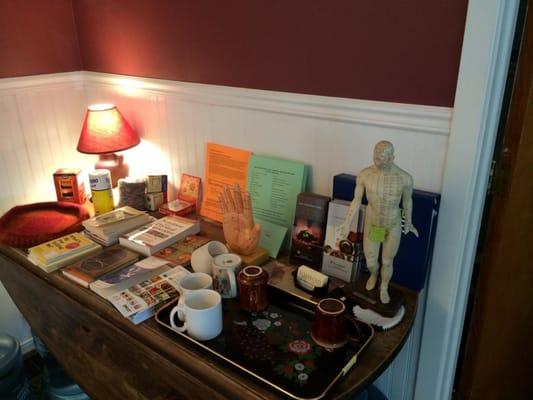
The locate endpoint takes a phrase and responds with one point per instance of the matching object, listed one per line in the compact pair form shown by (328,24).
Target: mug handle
(232,283)
(353,338)
(180,310)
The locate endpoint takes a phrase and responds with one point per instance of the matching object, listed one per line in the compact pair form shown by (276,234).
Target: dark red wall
(37,37)
(402,51)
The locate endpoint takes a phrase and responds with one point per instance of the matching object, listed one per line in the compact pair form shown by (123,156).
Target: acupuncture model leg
(390,248)
(371,250)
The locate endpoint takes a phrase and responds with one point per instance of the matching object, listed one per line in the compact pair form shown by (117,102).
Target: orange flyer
(223,166)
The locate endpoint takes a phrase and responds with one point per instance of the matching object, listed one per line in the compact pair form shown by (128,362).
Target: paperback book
(155,236)
(62,251)
(123,278)
(140,301)
(89,269)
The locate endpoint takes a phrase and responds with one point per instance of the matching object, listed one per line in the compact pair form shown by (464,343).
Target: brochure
(223,166)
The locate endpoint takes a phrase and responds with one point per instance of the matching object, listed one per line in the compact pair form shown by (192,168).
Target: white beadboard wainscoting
(332,135)
(41,118)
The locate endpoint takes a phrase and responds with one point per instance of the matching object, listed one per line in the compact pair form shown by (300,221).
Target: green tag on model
(377,234)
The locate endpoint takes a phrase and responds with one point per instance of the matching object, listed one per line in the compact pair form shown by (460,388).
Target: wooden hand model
(240,232)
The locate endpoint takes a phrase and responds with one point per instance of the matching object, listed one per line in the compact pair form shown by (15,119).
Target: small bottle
(252,282)
(102,195)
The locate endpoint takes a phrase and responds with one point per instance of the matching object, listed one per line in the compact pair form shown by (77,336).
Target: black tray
(276,348)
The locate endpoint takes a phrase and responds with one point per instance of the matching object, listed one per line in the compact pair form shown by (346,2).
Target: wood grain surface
(113,359)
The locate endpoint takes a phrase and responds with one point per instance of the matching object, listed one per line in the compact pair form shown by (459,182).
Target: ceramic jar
(252,282)
(332,327)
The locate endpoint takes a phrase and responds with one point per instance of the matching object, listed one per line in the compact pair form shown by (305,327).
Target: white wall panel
(39,128)
(40,120)
(331,135)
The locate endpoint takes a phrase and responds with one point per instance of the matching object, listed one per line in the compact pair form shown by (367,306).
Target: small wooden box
(153,200)
(69,185)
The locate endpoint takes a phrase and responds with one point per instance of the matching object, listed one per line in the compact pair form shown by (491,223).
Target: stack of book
(106,228)
(62,251)
(159,234)
(86,271)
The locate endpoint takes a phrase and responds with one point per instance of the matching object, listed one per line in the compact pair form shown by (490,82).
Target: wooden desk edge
(195,362)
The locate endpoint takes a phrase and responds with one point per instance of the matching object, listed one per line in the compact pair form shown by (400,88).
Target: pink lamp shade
(105,131)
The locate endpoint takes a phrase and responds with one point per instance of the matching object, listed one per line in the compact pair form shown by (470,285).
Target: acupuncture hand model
(240,232)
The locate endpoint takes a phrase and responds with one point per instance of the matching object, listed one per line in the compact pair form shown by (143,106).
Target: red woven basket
(32,224)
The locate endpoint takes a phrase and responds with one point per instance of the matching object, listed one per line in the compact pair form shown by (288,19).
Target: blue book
(414,256)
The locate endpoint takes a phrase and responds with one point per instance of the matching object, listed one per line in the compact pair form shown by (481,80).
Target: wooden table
(111,358)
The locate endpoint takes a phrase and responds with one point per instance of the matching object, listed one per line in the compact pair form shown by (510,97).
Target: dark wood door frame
(498,357)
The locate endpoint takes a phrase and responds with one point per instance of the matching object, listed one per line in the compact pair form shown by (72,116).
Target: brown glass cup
(331,326)
(252,282)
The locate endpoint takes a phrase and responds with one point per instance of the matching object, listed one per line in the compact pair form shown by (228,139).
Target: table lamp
(104,132)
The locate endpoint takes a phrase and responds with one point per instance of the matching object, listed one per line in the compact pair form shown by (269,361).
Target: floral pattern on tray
(275,346)
(270,336)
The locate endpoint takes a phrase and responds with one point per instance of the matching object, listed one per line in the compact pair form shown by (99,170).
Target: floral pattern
(262,324)
(267,331)
(300,346)
(303,376)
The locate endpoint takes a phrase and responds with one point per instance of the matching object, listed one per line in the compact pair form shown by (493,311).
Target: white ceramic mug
(194,281)
(202,257)
(225,270)
(201,313)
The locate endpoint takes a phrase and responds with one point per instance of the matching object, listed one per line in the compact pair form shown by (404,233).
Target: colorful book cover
(189,188)
(60,248)
(89,269)
(52,266)
(160,231)
(180,252)
(309,229)
(148,294)
(128,276)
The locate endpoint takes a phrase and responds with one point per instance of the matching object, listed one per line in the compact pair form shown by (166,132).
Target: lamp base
(115,164)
